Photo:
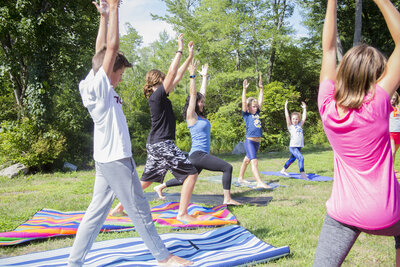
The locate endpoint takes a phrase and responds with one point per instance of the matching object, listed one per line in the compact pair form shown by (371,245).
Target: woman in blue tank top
(200,131)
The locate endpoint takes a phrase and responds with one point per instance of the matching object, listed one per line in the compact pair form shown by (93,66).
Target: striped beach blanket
(227,246)
(49,223)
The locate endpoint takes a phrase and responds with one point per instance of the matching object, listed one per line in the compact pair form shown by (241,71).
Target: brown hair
(357,74)
(120,61)
(397,99)
(153,77)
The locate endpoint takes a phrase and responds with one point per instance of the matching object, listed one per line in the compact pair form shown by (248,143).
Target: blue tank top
(200,133)
(253,124)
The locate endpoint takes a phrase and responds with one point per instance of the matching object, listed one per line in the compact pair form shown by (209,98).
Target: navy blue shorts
(251,148)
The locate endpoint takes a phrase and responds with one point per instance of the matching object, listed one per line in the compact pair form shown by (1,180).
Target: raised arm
(112,37)
(304,116)
(173,68)
(203,73)
(244,98)
(101,40)
(390,79)
(182,69)
(261,94)
(287,117)
(328,68)
(191,116)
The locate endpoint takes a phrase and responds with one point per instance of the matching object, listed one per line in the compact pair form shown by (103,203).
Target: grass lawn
(294,217)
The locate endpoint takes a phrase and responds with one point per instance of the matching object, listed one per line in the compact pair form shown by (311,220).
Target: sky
(137,13)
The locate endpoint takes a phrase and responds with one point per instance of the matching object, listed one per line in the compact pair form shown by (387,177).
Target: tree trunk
(339,48)
(358,23)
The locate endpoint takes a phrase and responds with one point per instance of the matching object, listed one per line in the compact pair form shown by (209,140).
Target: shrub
(25,143)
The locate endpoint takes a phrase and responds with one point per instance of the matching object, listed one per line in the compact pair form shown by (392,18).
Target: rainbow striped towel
(226,246)
(48,223)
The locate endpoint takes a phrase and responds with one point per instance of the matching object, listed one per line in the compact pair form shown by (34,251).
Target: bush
(25,143)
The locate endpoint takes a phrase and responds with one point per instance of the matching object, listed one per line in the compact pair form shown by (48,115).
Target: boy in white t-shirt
(294,124)
(116,174)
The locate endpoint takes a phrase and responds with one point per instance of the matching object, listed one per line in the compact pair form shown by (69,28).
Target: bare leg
(173,260)
(228,198)
(159,189)
(243,168)
(254,169)
(397,257)
(145,184)
(304,175)
(186,194)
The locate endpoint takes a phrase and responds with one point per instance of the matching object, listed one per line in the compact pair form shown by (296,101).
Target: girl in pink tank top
(354,104)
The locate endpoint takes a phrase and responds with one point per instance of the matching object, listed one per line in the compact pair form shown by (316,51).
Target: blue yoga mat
(311,176)
(227,246)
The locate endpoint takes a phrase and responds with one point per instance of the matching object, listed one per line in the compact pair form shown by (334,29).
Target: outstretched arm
(288,122)
(304,116)
(191,116)
(261,94)
(173,68)
(203,74)
(112,37)
(328,68)
(182,69)
(390,79)
(101,40)
(244,99)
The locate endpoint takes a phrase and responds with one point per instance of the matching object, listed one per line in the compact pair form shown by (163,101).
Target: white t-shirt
(296,136)
(111,136)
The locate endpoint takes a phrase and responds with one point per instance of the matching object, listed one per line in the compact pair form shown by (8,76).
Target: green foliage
(26,143)
(183,139)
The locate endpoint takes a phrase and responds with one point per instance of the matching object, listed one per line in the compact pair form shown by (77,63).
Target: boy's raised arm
(101,40)
(112,37)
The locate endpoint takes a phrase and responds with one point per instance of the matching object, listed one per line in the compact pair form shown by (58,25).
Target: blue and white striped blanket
(227,246)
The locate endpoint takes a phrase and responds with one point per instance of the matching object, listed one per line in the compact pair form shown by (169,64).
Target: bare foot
(304,176)
(283,171)
(159,189)
(263,185)
(243,181)
(173,260)
(117,213)
(186,218)
(232,202)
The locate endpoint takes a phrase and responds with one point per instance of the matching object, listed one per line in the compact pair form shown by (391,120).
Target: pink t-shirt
(365,191)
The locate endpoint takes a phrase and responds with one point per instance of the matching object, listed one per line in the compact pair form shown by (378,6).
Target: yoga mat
(49,223)
(311,176)
(251,184)
(226,246)
(210,199)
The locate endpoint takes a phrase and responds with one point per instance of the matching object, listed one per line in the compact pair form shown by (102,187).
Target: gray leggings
(336,240)
(117,178)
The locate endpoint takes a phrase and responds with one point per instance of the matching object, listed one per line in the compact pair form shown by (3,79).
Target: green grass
(294,217)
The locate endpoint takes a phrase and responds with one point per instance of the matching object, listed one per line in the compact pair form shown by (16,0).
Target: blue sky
(137,13)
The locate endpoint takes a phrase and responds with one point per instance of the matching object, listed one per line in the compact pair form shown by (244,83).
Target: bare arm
(244,99)
(304,116)
(203,73)
(191,116)
(173,68)
(112,37)
(261,94)
(328,68)
(288,121)
(390,79)
(182,69)
(101,40)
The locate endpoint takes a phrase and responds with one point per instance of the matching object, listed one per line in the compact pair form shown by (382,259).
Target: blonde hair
(250,101)
(295,113)
(357,74)
(153,77)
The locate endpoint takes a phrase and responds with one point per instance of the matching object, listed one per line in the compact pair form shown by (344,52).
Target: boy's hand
(102,8)
(245,84)
(180,42)
(260,83)
(191,50)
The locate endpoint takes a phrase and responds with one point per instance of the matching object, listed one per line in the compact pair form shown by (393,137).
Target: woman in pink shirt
(354,104)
